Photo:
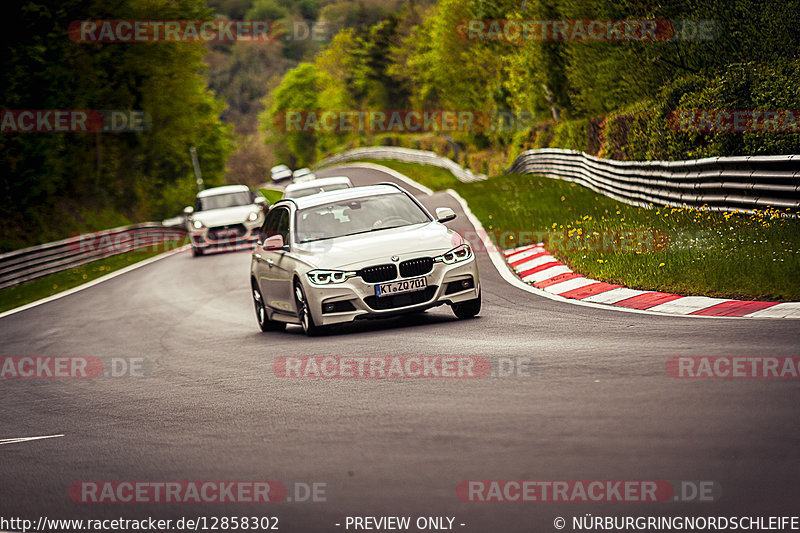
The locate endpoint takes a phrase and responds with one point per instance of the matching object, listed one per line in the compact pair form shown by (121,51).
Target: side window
(198,204)
(277,223)
(270,226)
(283,225)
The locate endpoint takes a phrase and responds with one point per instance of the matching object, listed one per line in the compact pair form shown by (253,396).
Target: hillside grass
(272,195)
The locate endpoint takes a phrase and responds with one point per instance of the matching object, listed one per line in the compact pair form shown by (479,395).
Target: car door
(264,260)
(276,267)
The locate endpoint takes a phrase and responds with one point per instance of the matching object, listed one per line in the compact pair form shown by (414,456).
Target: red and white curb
(534,265)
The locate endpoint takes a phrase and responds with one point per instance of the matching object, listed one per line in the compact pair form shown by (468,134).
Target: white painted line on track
(614,295)
(94,282)
(547,273)
(782,310)
(28,439)
(524,255)
(571,284)
(539,261)
(688,304)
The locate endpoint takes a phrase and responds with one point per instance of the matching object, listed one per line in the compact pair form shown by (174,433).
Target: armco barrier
(30,263)
(721,183)
(407,155)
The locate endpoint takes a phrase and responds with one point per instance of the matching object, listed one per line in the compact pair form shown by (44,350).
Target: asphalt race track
(598,405)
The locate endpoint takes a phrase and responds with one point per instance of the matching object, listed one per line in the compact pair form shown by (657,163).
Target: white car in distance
(223,218)
(361,252)
(302,175)
(307,188)
(280,173)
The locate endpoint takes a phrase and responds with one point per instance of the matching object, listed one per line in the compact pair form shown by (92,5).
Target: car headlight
(456,255)
(196,224)
(326,277)
(252,217)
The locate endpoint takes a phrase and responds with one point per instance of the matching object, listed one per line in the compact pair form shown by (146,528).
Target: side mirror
(188,210)
(260,200)
(444,214)
(273,243)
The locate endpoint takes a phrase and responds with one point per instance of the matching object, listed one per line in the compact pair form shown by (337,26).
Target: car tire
(196,251)
(304,313)
(467,309)
(261,313)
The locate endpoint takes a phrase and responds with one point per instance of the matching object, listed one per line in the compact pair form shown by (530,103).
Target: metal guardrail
(741,183)
(407,155)
(719,183)
(30,263)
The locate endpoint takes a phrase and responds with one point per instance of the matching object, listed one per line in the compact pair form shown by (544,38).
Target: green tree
(144,175)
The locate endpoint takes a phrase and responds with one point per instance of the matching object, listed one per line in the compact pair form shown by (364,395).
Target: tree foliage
(145,174)
(420,58)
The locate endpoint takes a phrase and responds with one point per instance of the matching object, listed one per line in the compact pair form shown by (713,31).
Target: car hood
(357,251)
(224,216)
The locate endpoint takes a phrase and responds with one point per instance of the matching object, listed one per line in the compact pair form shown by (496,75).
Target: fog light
(328,308)
(459,285)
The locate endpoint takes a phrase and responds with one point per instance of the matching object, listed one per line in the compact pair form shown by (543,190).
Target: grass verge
(37,289)
(683,251)
(679,250)
(272,195)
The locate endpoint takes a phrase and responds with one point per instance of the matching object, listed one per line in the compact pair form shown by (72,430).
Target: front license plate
(397,287)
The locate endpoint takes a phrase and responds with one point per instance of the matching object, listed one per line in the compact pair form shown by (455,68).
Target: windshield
(220,201)
(348,217)
(314,190)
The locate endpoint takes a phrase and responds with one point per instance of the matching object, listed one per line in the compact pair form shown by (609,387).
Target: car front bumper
(356,299)
(215,238)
